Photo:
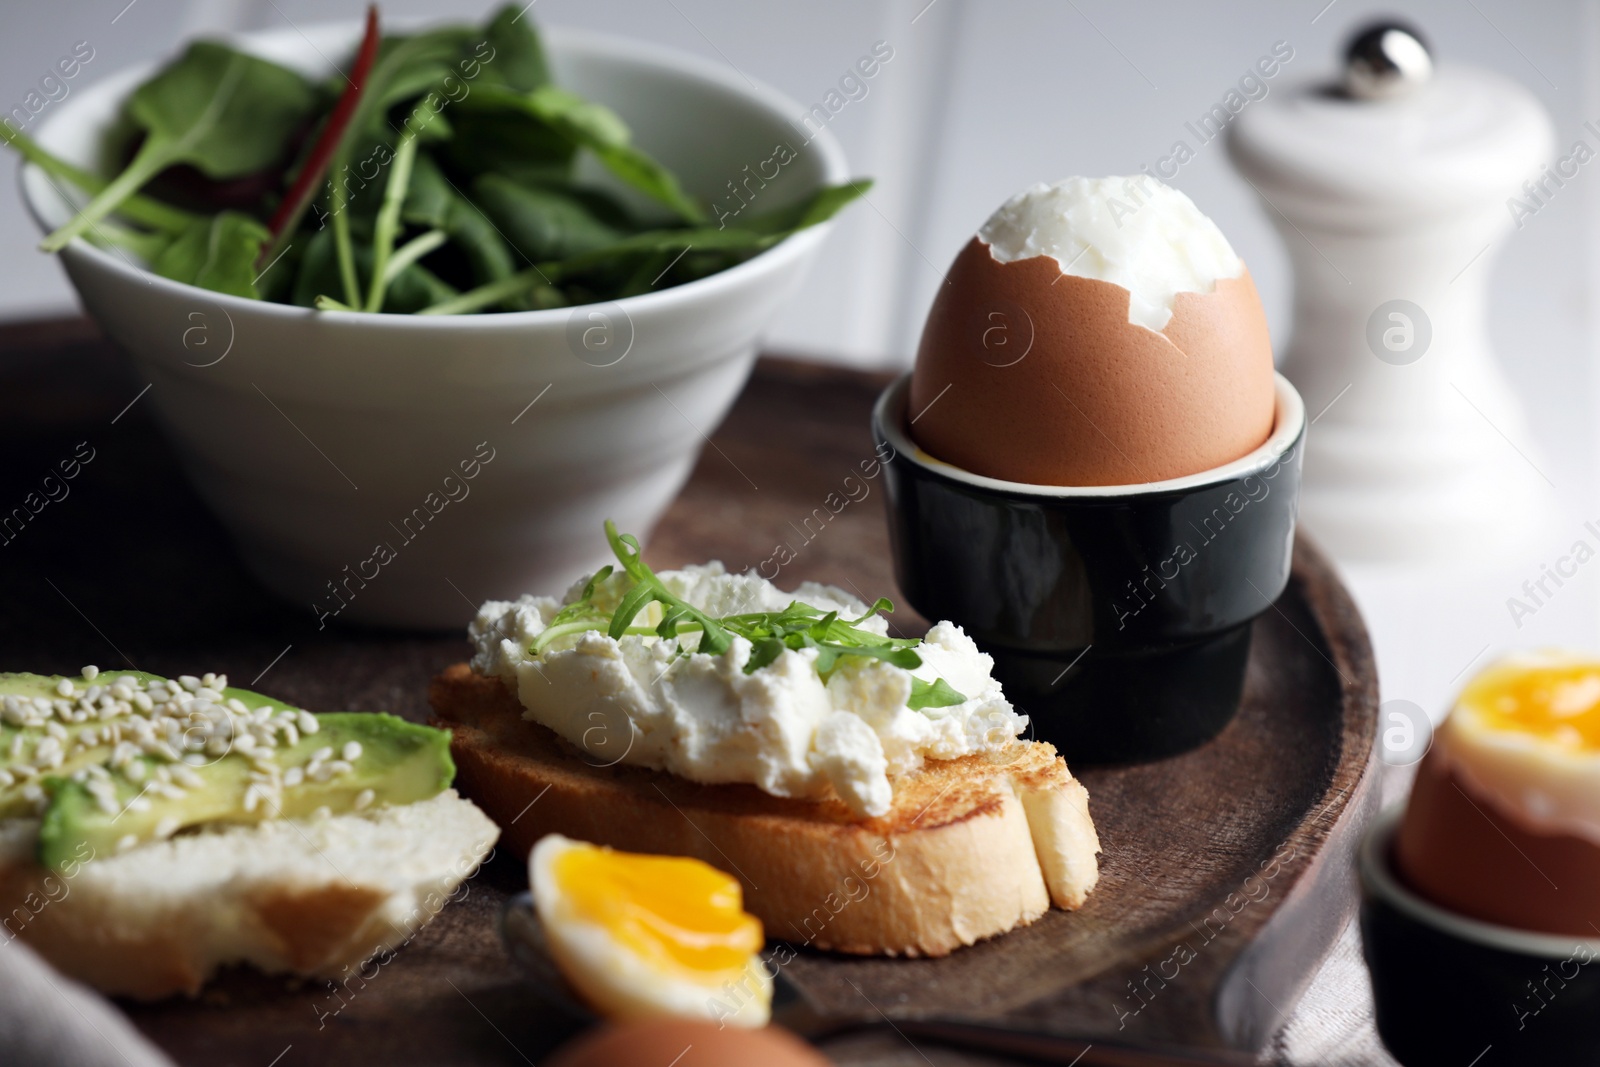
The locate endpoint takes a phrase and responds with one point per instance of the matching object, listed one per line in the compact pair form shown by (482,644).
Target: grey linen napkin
(50,1021)
(1332,1024)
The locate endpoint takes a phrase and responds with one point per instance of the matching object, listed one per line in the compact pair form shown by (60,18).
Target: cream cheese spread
(781,727)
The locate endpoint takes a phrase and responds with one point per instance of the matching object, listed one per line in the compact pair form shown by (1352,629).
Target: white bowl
(316,436)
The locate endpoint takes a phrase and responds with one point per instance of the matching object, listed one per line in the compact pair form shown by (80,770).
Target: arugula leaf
(714,639)
(227,113)
(935,694)
(218,253)
(770,633)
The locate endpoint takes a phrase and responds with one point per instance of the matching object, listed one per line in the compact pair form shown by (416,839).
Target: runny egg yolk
(675,913)
(1558,703)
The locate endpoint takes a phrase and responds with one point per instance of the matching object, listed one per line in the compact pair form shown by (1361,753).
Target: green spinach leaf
(544,223)
(518,61)
(432,201)
(227,113)
(218,253)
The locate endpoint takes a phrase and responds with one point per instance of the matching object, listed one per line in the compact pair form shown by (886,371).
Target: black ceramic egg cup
(1451,991)
(1119,617)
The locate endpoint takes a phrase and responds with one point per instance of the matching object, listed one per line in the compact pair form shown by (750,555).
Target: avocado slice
(351,761)
(75,741)
(20,765)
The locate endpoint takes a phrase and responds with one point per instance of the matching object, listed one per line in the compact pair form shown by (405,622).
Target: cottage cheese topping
(635,700)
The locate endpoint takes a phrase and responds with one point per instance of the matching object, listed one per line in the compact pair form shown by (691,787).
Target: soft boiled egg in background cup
(641,937)
(1481,896)
(1097,468)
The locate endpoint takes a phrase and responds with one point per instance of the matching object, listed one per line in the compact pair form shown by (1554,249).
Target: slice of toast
(309,897)
(973,847)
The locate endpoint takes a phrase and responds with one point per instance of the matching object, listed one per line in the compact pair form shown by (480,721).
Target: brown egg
(685,1043)
(1503,823)
(1457,848)
(1030,375)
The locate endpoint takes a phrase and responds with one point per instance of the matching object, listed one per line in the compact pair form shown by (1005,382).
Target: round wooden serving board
(1226,872)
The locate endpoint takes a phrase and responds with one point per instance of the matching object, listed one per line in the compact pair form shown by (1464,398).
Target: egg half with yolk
(641,936)
(1504,818)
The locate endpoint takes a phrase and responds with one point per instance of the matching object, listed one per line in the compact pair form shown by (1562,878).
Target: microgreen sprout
(798,626)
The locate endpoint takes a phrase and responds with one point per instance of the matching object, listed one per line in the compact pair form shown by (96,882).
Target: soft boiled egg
(642,936)
(1094,332)
(1504,819)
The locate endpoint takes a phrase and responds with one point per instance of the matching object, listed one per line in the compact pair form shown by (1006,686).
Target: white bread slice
(308,897)
(973,847)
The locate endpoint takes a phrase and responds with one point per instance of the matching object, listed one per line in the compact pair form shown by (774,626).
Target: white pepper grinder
(1391,192)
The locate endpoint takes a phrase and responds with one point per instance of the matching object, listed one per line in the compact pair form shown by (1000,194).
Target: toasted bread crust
(954,861)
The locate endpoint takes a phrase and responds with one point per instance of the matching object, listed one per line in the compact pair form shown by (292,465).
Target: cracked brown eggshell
(1030,375)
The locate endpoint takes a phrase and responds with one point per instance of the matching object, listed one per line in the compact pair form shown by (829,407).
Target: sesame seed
(351,750)
(251,799)
(65,687)
(91,672)
(340,766)
(308,723)
(126,842)
(189,682)
(364,799)
(166,827)
(321,754)
(293,776)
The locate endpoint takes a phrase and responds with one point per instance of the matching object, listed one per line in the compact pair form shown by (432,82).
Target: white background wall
(983,97)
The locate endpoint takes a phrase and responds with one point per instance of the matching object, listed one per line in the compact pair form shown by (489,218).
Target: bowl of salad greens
(419,307)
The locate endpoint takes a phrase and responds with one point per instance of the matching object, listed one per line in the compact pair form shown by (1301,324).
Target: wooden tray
(130,569)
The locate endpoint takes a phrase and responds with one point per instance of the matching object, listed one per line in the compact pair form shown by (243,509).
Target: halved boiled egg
(641,936)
